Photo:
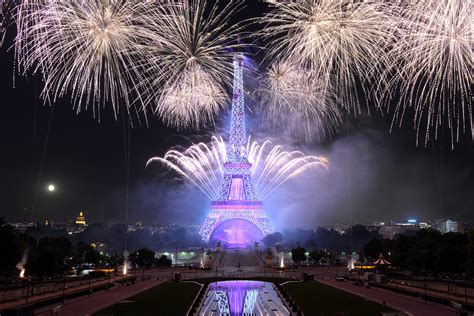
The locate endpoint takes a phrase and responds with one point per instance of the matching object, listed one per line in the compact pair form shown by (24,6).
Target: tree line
(427,251)
(50,256)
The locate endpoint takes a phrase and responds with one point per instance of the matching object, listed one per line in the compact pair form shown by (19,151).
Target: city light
(51,188)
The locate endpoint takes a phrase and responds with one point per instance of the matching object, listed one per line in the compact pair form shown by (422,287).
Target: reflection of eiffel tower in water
(237,208)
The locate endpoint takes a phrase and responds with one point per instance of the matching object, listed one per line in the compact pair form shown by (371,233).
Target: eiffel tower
(238,214)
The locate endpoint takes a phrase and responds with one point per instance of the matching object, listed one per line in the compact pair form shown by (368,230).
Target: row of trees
(315,256)
(146,258)
(49,256)
(428,251)
(354,238)
(114,236)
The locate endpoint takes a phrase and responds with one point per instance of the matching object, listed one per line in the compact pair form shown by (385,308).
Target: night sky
(374,174)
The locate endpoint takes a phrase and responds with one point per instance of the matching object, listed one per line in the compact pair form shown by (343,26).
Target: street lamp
(51,188)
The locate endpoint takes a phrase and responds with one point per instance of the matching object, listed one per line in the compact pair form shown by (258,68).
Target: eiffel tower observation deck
(237,217)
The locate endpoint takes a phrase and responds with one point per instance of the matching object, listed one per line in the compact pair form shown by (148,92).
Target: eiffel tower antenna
(238,137)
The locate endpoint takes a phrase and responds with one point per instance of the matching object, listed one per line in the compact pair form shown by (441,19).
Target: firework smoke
(21,264)
(126,263)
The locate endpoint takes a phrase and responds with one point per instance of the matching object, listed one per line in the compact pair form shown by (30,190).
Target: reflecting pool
(236,298)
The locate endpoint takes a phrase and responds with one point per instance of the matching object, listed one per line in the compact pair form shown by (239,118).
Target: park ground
(314,298)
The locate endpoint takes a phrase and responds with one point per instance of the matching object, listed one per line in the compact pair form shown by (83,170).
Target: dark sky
(375,175)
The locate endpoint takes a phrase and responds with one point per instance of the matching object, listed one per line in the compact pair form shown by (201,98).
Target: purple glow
(237,191)
(236,233)
(236,292)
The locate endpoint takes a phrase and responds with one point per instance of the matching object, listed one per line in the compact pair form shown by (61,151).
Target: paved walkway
(87,305)
(448,296)
(410,305)
(58,294)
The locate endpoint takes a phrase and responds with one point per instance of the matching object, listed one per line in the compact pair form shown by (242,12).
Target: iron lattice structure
(237,196)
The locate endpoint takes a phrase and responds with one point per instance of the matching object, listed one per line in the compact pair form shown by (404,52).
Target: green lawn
(165,299)
(320,299)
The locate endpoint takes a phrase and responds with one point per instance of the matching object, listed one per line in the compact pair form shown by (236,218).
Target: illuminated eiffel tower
(237,217)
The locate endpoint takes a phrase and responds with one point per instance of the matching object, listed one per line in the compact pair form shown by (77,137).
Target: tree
(142,258)
(49,258)
(85,253)
(401,251)
(374,247)
(358,235)
(163,261)
(79,253)
(453,253)
(315,255)
(93,257)
(298,254)
(115,259)
(13,247)
(424,253)
(271,239)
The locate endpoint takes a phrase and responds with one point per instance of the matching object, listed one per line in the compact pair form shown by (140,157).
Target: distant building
(390,230)
(449,226)
(424,225)
(81,219)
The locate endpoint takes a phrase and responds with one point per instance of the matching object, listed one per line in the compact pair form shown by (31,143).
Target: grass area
(320,299)
(166,299)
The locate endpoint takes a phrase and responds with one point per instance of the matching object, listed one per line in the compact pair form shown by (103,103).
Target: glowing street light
(51,188)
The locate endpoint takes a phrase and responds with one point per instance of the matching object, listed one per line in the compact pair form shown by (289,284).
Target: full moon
(51,188)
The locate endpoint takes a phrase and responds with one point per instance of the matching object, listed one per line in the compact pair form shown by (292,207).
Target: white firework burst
(292,97)
(192,68)
(202,165)
(89,50)
(432,67)
(341,41)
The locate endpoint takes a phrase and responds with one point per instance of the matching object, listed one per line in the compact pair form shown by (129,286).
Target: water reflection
(236,298)
(242,298)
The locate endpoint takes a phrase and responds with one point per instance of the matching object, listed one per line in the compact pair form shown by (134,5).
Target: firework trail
(191,68)
(202,164)
(433,67)
(342,42)
(92,51)
(293,98)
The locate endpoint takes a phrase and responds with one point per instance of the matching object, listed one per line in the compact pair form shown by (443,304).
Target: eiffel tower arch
(237,210)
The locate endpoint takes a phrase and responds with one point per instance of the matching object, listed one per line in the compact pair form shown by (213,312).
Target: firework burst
(343,42)
(433,67)
(202,165)
(90,50)
(192,64)
(293,98)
